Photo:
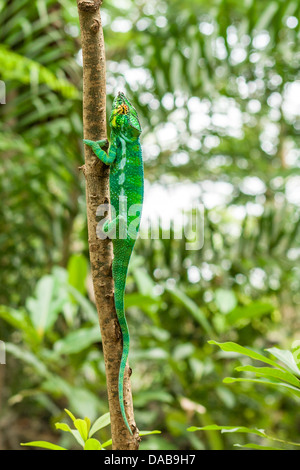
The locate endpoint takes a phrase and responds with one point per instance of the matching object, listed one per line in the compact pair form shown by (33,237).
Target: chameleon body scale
(126,198)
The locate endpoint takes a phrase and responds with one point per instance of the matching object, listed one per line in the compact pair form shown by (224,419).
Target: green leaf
(296,391)
(144,282)
(183,351)
(77,341)
(266,17)
(78,437)
(193,308)
(269,372)
(89,309)
(70,414)
(45,306)
(88,423)
(147,433)
(77,271)
(286,357)
(142,301)
(100,423)
(81,399)
(236,348)
(16,318)
(23,69)
(81,426)
(247,312)
(145,396)
(233,429)
(29,358)
(107,443)
(74,432)
(257,447)
(240,429)
(92,444)
(152,353)
(44,444)
(19,319)
(63,427)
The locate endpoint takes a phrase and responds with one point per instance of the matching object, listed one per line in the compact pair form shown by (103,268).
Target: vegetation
(217,88)
(82,433)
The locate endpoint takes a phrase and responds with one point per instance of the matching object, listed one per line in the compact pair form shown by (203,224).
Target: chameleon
(126,183)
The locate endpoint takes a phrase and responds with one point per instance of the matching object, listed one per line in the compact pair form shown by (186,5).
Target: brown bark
(97,192)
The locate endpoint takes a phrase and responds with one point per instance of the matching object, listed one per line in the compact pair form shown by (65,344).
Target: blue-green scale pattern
(126,194)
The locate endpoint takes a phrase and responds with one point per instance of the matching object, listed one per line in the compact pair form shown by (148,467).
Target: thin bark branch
(97,192)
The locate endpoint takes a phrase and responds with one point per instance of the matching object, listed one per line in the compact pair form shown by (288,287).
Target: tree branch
(97,192)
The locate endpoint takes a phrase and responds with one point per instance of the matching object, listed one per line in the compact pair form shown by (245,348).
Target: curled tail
(120,267)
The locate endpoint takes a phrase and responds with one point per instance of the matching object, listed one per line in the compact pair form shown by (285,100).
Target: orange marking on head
(123,109)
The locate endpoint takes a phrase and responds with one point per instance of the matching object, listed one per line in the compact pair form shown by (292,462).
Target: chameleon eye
(123,109)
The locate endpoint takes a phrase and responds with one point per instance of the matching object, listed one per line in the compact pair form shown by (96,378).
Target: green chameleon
(126,199)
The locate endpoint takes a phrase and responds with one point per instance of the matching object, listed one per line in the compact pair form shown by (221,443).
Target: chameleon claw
(102,143)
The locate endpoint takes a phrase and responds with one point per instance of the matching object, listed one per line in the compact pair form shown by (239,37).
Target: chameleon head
(124,117)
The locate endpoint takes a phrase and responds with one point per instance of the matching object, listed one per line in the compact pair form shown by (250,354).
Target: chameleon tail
(120,268)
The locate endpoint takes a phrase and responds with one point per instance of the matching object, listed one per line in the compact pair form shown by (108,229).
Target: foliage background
(217,87)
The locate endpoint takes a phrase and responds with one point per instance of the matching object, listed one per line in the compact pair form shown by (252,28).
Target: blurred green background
(217,87)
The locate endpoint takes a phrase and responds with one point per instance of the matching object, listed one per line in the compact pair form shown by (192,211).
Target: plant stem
(97,193)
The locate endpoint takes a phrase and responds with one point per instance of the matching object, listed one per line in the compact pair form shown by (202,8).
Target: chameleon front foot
(96,143)
(102,142)
(101,154)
